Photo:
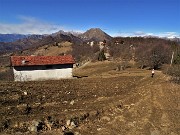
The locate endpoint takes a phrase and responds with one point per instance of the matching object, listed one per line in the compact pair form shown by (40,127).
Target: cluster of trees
(147,52)
(84,52)
(174,68)
(175,53)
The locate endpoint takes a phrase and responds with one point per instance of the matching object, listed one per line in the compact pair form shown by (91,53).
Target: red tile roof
(41,60)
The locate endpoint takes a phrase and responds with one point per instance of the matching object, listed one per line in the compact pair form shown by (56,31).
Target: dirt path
(151,109)
(165,106)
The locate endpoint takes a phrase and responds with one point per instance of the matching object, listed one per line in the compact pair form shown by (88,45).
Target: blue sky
(115,17)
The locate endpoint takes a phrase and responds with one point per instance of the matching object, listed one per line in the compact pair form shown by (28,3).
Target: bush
(174,71)
(177,59)
(101,56)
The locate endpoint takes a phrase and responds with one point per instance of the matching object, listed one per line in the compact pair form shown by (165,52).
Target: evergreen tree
(177,59)
(101,56)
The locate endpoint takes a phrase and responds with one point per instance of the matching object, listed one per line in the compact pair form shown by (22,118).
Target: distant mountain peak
(95,33)
(96,29)
(66,33)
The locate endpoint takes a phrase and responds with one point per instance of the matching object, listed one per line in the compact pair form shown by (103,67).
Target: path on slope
(152,108)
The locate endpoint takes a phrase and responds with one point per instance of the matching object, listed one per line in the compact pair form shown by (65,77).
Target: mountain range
(15,42)
(29,41)
(11,37)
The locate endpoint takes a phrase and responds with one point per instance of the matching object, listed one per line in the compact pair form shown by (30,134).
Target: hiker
(152,73)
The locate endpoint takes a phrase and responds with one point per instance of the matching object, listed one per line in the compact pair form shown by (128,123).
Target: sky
(115,17)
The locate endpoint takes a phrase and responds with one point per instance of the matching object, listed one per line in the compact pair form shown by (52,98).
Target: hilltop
(95,34)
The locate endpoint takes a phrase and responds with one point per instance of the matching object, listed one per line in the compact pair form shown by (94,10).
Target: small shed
(31,68)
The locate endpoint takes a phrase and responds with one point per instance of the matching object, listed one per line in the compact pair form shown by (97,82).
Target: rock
(63,128)
(48,124)
(34,126)
(65,102)
(98,129)
(65,110)
(15,124)
(25,93)
(21,106)
(127,106)
(105,118)
(72,102)
(68,92)
(68,122)
(77,133)
(72,125)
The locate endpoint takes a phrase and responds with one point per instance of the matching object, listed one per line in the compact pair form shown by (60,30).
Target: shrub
(177,59)
(101,56)
(174,71)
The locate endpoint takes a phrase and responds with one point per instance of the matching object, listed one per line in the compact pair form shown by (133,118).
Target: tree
(101,56)
(155,61)
(177,59)
(159,56)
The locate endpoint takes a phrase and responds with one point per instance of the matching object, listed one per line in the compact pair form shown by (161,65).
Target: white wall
(41,74)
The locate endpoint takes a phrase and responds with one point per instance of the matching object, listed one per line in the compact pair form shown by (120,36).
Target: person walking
(152,73)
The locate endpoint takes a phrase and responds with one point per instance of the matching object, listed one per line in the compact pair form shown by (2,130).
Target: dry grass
(54,50)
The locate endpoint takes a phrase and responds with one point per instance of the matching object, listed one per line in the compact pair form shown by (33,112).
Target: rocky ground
(105,102)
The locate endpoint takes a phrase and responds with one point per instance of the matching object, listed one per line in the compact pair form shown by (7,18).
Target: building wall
(50,72)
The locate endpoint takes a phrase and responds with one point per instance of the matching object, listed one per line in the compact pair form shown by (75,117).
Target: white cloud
(121,34)
(169,35)
(142,34)
(30,25)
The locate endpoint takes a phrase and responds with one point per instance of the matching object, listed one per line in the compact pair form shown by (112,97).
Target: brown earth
(107,102)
